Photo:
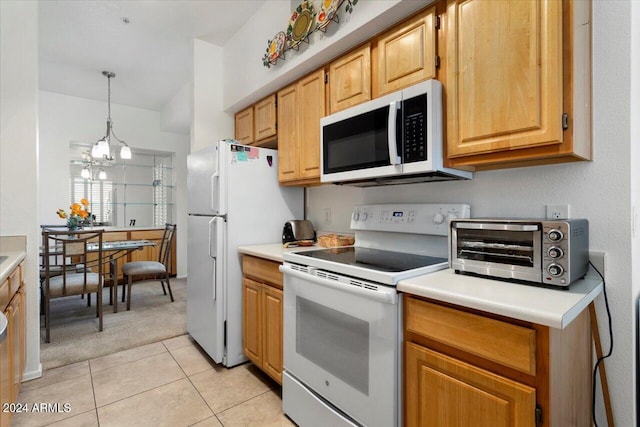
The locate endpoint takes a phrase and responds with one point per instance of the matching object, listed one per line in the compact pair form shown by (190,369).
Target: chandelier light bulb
(95,151)
(103,148)
(102,174)
(86,174)
(125,152)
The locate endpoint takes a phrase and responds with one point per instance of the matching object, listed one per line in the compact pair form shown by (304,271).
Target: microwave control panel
(414,125)
(418,218)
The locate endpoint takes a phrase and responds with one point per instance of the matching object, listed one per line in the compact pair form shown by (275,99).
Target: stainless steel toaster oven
(550,252)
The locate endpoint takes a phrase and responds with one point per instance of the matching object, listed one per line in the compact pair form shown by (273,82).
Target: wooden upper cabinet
(264,116)
(244,126)
(311,95)
(509,80)
(350,79)
(407,53)
(300,108)
(287,146)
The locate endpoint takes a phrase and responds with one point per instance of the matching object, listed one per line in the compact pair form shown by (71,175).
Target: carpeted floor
(74,326)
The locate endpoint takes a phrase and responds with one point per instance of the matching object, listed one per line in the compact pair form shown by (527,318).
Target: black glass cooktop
(374,259)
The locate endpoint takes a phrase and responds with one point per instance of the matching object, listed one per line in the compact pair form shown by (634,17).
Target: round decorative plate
(276,46)
(327,10)
(300,23)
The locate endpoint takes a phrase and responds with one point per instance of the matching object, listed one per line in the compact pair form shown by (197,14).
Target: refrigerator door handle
(214,186)
(215,250)
(212,232)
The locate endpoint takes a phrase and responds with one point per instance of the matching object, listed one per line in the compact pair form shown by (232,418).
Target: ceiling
(151,55)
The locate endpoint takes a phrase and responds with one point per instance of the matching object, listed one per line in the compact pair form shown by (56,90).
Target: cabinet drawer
(15,280)
(501,342)
(115,236)
(147,234)
(262,270)
(4,295)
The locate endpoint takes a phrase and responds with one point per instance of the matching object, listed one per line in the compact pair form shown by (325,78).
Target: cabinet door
(442,391)
(251,321)
(264,116)
(503,75)
(272,332)
(350,79)
(244,126)
(311,96)
(407,54)
(287,145)
(6,389)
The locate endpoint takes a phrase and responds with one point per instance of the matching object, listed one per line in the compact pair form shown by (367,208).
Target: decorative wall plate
(300,23)
(276,47)
(326,14)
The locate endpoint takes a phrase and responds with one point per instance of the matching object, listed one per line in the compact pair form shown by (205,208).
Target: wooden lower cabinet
(443,391)
(262,315)
(465,367)
(13,351)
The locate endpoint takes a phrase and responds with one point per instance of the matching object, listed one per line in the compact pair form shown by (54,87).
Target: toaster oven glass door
(515,246)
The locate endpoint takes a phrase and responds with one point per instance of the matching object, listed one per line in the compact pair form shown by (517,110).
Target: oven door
(498,249)
(362,142)
(341,341)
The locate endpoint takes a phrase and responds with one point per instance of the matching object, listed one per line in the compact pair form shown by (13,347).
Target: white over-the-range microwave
(394,139)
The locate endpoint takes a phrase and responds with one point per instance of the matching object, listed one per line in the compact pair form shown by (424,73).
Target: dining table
(111,252)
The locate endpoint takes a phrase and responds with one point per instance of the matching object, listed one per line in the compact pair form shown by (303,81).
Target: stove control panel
(418,218)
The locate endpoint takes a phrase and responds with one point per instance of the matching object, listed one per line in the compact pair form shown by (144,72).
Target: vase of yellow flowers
(78,213)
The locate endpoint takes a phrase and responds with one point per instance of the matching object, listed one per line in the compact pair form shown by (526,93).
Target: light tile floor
(169,383)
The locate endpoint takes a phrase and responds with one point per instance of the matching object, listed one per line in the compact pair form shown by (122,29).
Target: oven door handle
(495,226)
(382,294)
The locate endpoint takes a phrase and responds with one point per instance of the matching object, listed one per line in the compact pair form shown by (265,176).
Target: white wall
(66,118)
(635,182)
(210,122)
(246,80)
(602,191)
(19,151)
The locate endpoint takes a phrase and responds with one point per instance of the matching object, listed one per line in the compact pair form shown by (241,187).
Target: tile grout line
(93,390)
(194,387)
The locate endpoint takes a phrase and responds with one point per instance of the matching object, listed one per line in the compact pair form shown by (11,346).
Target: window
(98,193)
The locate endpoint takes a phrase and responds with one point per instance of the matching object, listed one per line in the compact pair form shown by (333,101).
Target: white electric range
(343,314)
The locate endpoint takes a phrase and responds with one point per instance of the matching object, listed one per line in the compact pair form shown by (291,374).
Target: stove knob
(438,218)
(364,216)
(356,216)
(555,270)
(555,235)
(555,252)
(451,216)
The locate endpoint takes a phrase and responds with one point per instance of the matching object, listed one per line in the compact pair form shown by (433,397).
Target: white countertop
(14,248)
(555,308)
(272,251)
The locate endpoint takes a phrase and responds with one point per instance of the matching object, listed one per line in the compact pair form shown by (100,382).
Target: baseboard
(32,375)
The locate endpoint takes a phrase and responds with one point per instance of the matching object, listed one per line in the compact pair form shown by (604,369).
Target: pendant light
(101,149)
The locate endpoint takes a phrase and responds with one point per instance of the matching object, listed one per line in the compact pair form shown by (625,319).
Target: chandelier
(102,149)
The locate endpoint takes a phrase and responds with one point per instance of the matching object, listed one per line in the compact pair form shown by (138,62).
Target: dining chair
(68,251)
(157,269)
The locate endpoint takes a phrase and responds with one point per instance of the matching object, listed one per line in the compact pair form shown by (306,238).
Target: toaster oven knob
(438,218)
(555,235)
(555,252)
(555,270)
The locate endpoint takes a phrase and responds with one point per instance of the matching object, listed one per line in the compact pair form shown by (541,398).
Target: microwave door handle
(496,226)
(394,159)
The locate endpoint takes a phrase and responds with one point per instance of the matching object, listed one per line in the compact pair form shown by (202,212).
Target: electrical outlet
(557,211)
(327,216)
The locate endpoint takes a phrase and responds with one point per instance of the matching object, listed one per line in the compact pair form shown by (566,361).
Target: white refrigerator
(234,199)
